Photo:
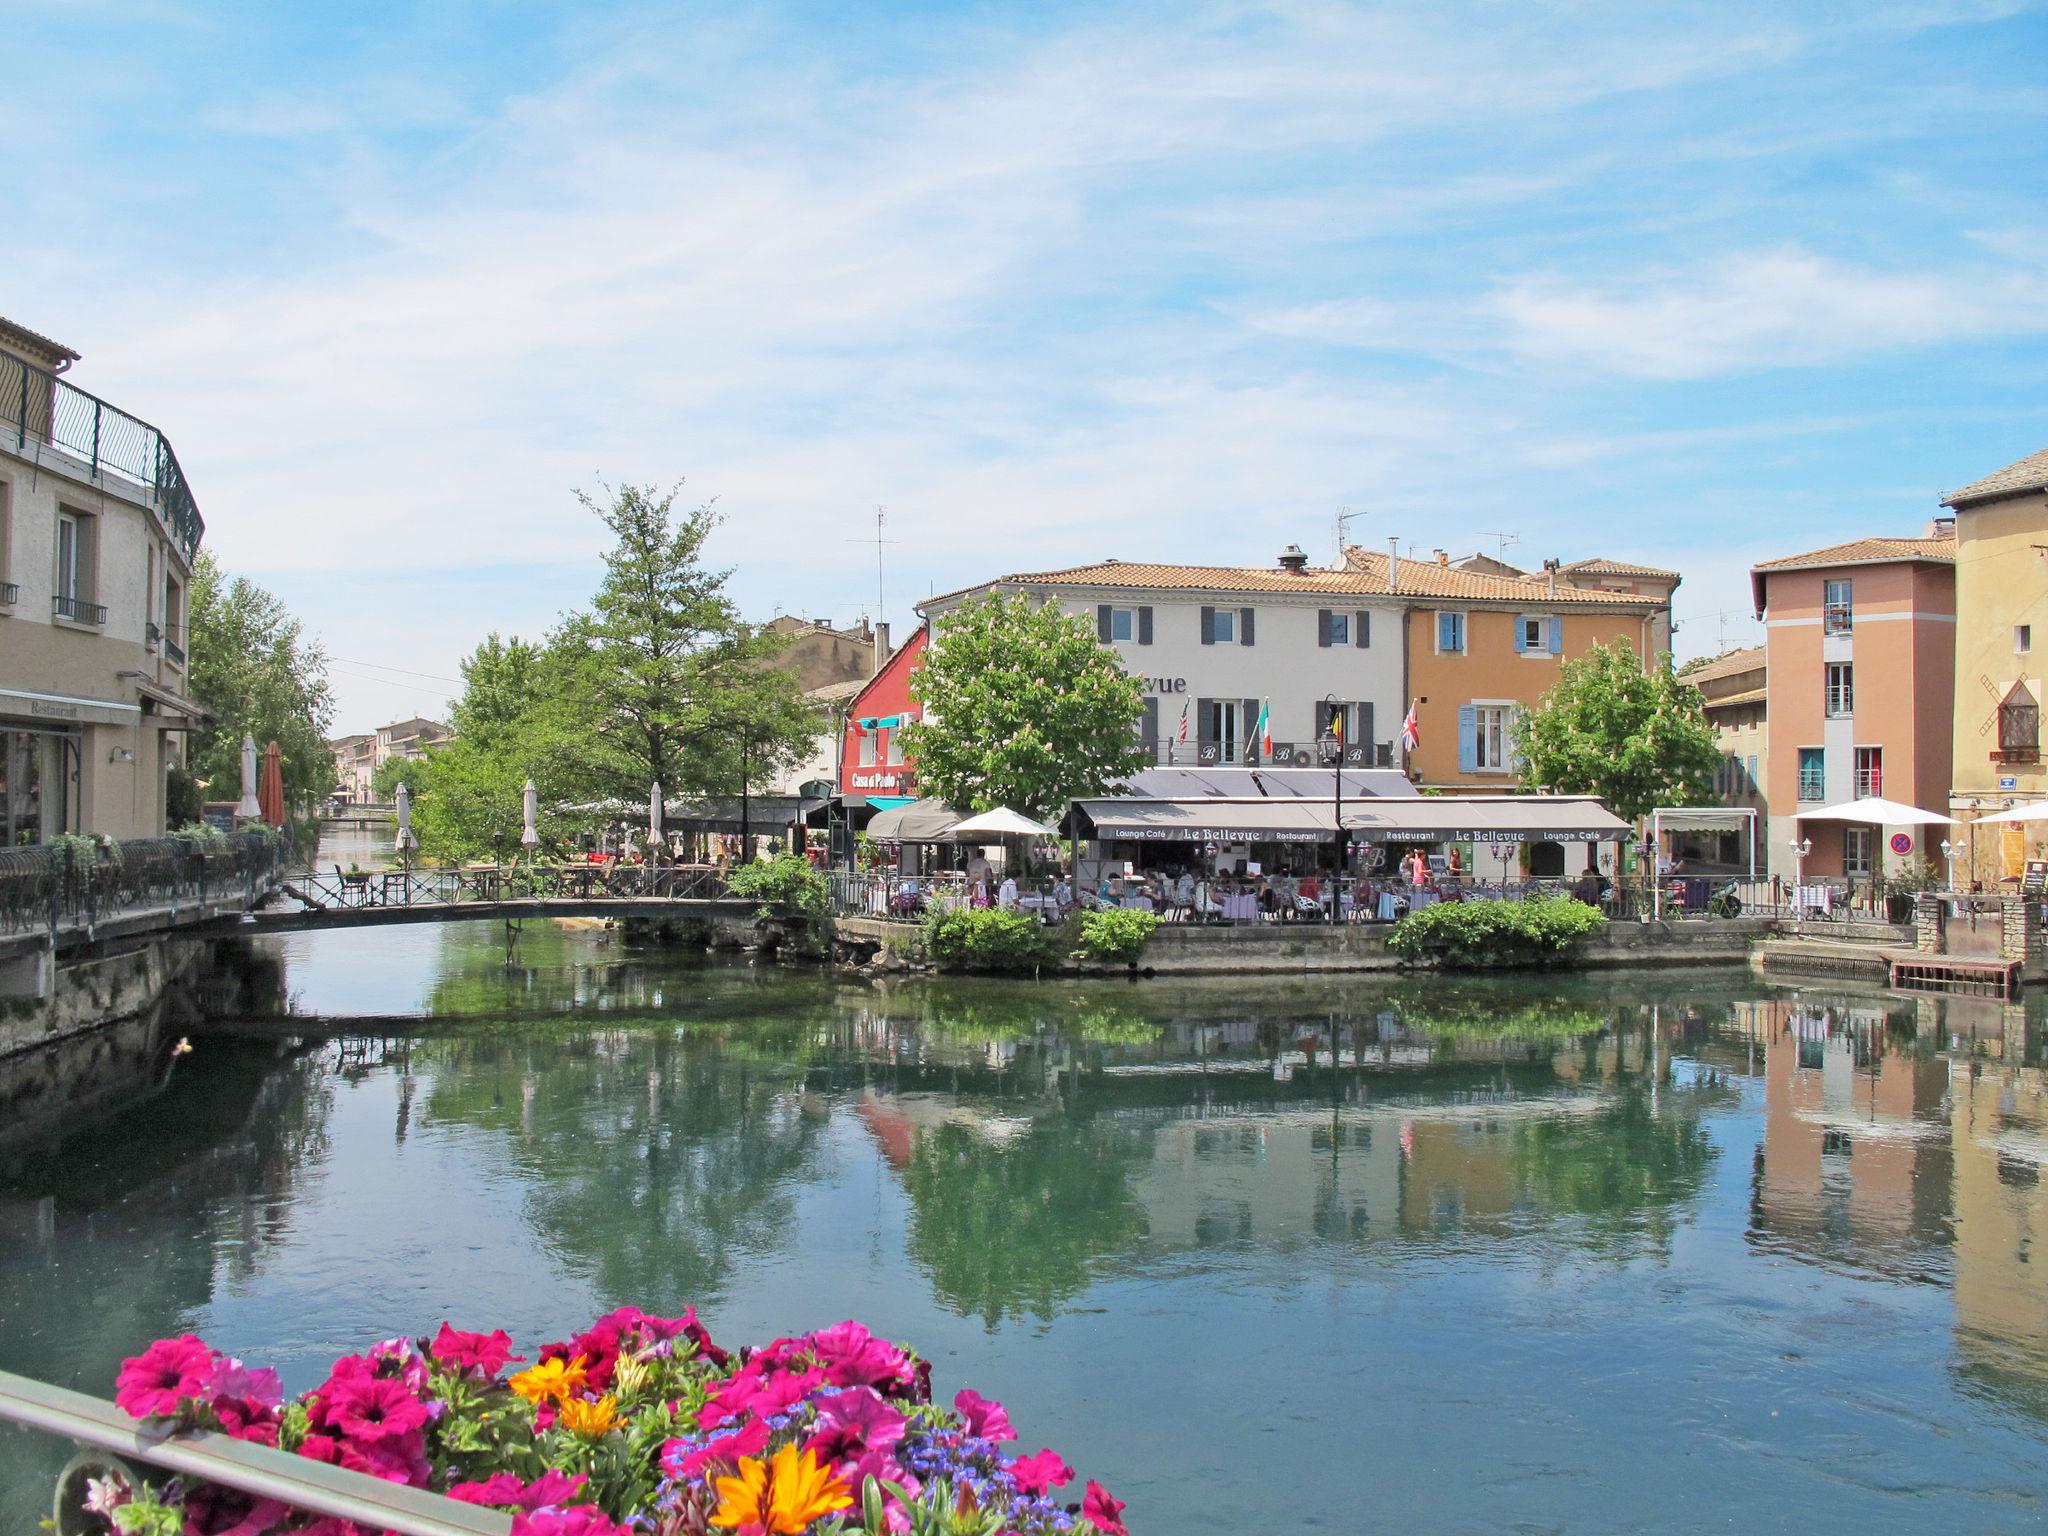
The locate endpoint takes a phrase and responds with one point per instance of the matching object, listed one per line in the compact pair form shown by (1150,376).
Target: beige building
(358,757)
(98,531)
(2001,533)
(821,655)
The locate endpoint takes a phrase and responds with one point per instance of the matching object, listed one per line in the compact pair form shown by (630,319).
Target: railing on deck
(1169,752)
(260,1470)
(38,407)
(73,885)
(337,889)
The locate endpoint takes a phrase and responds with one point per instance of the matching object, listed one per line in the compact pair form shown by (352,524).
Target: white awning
(1489,819)
(2038,811)
(1876,811)
(1210,821)
(1704,818)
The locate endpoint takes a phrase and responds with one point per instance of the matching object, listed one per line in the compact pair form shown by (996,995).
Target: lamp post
(1801,847)
(1333,754)
(1950,852)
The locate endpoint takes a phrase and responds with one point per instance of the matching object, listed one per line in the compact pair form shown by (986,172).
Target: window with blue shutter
(1450,631)
(1557,637)
(1468,738)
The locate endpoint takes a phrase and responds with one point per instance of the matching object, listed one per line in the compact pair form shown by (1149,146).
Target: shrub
(1475,935)
(989,939)
(785,886)
(1113,934)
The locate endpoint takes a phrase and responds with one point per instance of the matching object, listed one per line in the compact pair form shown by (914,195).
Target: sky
(1693,285)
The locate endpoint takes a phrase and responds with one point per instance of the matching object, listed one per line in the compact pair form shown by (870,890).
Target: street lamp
(1333,753)
(1801,847)
(1950,852)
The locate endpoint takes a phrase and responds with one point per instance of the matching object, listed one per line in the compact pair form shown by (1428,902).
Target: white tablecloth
(1137,903)
(1241,908)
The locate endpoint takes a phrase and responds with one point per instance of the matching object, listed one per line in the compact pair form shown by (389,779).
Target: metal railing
(336,889)
(206,1456)
(78,610)
(1173,753)
(173,650)
(37,406)
(70,885)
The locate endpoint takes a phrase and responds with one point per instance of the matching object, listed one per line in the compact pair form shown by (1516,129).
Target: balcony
(78,610)
(1870,785)
(174,652)
(37,406)
(1837,619)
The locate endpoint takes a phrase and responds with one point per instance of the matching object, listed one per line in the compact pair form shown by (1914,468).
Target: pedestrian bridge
(357,899)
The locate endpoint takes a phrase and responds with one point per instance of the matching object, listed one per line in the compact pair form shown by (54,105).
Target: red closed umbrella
(270,786)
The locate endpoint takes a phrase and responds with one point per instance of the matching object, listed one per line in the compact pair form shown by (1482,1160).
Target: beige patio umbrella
(405,842)
(529,834)
(251,809)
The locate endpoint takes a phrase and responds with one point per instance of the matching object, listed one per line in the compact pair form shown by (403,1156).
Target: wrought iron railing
(78,610)
(74,885)
(38,407)
(173,650)
(1284,754)
(336,889)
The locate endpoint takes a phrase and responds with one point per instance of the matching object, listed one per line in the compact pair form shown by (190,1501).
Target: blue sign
(2008,782)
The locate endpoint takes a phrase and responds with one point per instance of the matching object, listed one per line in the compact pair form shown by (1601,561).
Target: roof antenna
(1503,541)
(878,541)
(1344,515)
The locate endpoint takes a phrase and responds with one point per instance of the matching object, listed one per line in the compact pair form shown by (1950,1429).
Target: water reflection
(1519,1212)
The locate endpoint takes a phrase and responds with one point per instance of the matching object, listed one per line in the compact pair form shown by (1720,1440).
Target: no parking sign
(1902,842)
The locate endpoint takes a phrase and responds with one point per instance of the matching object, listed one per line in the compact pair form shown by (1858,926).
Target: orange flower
(780,1496)
(552,1381)
(585,1418)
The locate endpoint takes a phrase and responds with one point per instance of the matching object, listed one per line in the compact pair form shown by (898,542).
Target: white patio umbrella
(529,835)
(405,841)
(999,822)
(1876,811)
(654,812)
(250,808)
(2038,811)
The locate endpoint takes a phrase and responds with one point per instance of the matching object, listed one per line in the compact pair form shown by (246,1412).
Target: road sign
(1902,842)
(2008,782)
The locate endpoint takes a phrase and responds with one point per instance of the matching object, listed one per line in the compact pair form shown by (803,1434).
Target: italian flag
(1262,733)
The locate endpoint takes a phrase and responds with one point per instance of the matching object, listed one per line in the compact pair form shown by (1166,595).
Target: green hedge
(988,939)
(1113,934)
(1478,935)
(785,886)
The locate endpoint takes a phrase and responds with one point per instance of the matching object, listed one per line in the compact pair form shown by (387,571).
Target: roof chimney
(1292,559)
(1943,527)
(1550,571)
(1393,565)
(1443,556)
(881,646)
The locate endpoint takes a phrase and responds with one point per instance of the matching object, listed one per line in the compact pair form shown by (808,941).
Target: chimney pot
(881,646)
(1292,559)
(1393,565)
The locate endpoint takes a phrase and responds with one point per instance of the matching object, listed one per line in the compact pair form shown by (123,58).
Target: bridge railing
(78,883)
(337,889)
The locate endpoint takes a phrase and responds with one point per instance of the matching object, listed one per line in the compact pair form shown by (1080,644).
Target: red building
(872,767)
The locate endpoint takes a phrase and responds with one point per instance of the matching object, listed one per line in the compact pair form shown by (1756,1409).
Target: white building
(1215,644)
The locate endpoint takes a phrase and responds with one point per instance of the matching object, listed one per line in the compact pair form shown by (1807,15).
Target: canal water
(1675,1252)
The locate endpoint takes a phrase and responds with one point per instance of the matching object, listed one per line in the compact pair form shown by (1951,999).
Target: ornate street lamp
(1332,744)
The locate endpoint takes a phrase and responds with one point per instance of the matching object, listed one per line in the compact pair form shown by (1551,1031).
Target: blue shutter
(1557,637)
(1444,625)
(1516,763)
(1468,738)
(1521,633)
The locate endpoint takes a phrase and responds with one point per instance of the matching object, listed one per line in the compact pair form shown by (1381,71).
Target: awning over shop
(1208,821)
(1234,783)
(173,710)
(1704,818)
(921,821)
(1485,819)
(764,813)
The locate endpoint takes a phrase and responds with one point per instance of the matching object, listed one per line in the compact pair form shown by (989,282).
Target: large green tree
(1638,738)
(1023,708)
(252,664)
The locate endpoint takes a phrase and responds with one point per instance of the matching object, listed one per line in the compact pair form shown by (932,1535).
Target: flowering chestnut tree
(1024,708)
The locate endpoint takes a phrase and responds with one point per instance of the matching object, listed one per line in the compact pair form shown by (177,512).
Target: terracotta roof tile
(1752,696)
(22,334)
(1604,567)
(1728,664)
(1867,552)
(2029,474)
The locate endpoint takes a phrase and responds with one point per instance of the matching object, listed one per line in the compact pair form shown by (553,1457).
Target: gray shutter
(1151,725)
(1208,626)
(1145,626)
(1323,627)
(1365,730)
(1205,720)
(1244,634)
(1102,622)
(1363,637)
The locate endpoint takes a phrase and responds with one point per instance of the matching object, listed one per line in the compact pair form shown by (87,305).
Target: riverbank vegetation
(1483,935)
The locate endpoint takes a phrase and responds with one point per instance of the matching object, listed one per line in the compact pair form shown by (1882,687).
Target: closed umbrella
(250,809)
(529,835)
(654,811)
(405,841)
(270,785)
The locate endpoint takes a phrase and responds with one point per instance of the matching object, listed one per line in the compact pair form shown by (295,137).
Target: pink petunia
(853,1422)
(853,1357)
(401,1459)
(246,1420)
(576,1520)
(1041,1473)
(215,1511)
(374,1409)
(680,1463)
(985,1416)
(231,1378)
(505,1488)
(1103,1510)
(154,1382)
(485,1353)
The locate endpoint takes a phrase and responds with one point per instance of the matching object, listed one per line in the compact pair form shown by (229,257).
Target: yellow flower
(551,1381)
(592,1419)
(782,1495)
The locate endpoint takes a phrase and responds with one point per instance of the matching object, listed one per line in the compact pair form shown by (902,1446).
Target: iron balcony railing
(1840,619)
(53,888)
(1171,752)
(38,407)
(10,593)
(175,651)
(78,610)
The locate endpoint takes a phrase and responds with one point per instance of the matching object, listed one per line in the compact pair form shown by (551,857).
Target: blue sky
(1692,284)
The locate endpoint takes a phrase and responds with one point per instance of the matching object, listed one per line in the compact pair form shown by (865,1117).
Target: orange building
(1485,641)
(1882,613)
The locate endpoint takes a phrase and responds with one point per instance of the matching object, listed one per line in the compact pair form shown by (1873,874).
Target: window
(38,785)
(1493,743)
(1532,634)
(1749,781)
(1869,771)
(1123,623)
(1538,634)
(1125,626)
(1841,684)
(869,739)
(77,563)
(1336,628)
(895,745)
(174,620)
(1857,844)
(2022,639)
(1450,632)
(1838,607)
(1813,777)
(2019,726)
(1217,719)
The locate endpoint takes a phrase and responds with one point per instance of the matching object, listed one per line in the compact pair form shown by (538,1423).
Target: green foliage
(1475,935)
(1110,935)
(251,664)
(988,939)
(394,771)
(785,886)
(1636,739)
(1023,708)
(182,801)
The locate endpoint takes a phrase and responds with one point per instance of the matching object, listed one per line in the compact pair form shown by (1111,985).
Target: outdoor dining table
(1241,907)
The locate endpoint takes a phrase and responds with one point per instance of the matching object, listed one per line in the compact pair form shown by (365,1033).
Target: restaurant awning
(921,821)
(764,814)
(1205,820)
(1485,819)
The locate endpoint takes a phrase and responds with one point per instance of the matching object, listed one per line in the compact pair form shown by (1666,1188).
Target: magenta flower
(680,1463)
(549,1489)
(401,1459)
(853,1357)
(1103,1510)
(216,1511)
(577,1520)
(985,1417)
(855,1421)
(485,1353)
(1041,1473)
(233,1379)
(154,1382)
(373,1408)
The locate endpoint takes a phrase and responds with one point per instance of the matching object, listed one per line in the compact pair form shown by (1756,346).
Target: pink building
(1861,641)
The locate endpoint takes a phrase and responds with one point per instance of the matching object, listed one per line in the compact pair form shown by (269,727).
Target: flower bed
(640,1426)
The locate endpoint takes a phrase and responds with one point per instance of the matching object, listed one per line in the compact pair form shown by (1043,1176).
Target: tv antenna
(1344,515)
(881,520)
(1501,543)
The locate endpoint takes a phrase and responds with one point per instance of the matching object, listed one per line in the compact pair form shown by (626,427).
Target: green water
(1675,1252)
